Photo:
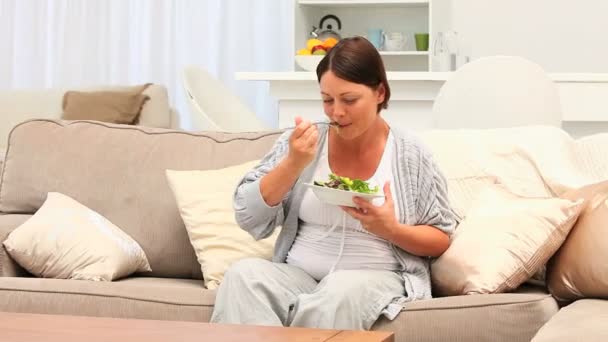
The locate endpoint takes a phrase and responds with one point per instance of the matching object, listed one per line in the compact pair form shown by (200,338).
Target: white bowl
(340,197)
(308,62)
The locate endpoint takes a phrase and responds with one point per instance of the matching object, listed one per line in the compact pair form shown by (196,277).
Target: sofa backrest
(17,106)
(119,171)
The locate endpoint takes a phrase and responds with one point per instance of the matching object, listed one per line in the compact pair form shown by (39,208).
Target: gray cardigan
(421,194)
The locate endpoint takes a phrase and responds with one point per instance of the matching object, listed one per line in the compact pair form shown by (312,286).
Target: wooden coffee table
(55,328)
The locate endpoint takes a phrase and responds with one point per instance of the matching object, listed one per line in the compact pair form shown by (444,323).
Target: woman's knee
(247,268)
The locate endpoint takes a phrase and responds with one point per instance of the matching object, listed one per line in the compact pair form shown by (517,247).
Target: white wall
(560,35)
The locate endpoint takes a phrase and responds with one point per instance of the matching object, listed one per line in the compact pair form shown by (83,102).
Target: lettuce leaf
(345,183)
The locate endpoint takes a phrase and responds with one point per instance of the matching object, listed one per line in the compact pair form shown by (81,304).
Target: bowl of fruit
(309,57)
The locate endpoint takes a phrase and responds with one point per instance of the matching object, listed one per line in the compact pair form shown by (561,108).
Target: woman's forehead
(331,84)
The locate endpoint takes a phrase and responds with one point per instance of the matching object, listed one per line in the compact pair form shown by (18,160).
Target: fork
(331,123)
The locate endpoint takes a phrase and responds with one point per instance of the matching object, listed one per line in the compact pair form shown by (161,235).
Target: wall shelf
(404,53)
(364,3)
(358,17)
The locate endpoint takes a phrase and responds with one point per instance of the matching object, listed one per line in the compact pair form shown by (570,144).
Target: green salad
(345,183)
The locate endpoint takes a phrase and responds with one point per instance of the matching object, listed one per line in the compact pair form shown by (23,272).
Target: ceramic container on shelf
(394,41)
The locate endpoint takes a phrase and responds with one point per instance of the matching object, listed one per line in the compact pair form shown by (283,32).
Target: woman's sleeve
(433,205)
(251,211)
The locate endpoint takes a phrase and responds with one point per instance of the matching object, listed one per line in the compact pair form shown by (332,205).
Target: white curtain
(72,43)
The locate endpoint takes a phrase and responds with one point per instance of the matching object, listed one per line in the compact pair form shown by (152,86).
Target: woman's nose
(337,110)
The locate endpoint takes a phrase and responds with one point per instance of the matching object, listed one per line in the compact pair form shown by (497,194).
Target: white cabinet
(584,104)
(358,16)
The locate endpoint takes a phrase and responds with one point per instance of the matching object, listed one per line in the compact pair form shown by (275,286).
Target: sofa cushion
(517,158)
(508,317)
(67,240)
(579,269)
(502,242)
(119,171)
(205,201)
(121,107)
(497,317)
(136,297)
(583,320)
(155,111)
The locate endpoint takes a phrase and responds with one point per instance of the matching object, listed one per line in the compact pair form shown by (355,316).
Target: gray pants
(260,292)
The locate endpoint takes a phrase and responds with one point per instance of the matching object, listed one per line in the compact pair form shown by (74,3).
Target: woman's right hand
(302,144)
(302,148)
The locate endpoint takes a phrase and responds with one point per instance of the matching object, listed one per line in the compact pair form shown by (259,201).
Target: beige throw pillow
(580,268)
(66,240)
(502,242)
(120,107)
(204,199)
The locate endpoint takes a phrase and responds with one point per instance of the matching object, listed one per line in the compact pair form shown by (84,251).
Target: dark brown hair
(356,60)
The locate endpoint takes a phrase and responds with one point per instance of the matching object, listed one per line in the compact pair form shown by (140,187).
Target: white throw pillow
(204,199)
(65,239)
(502,242)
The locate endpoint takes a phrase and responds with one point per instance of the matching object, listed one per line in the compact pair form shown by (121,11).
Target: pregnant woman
(320,276)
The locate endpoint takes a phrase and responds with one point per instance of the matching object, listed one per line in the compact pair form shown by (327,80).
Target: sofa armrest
(8,267)
(583,320)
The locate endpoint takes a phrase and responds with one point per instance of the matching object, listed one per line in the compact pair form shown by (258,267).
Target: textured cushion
(67,240)
(128,186)
(503,241)
(583,320)
(134,297)
(470,166)
(205,200)
(518,158)
(580,268)
(121,107)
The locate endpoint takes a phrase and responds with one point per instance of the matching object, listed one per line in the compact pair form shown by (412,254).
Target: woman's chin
(346,132)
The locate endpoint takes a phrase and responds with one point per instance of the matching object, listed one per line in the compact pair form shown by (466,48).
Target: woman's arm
(251,212)
(258,197)
(302,148)
(432,201)
(435,220)
(277,183)
(421,240)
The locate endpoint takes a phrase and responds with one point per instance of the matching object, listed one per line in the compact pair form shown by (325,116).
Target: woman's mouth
(338,125)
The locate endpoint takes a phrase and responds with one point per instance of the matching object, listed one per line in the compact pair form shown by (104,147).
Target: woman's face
(351,105)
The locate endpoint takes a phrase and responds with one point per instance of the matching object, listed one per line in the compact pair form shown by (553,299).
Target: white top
(329,239)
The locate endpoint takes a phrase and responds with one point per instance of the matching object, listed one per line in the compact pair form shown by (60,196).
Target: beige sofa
(119,171)
(20,105)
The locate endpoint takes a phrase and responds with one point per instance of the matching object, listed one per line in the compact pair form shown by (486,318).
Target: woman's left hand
(379,220)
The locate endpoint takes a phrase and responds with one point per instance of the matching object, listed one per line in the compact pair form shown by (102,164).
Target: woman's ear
(380,93)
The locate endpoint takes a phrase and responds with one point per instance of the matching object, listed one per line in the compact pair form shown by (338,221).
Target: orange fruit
(330,42)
